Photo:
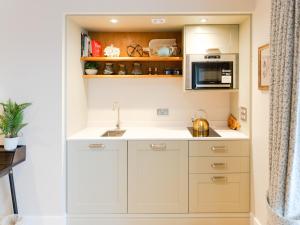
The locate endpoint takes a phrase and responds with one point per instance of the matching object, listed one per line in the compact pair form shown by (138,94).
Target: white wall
(260,115)
(245,71)
(76,87)
(139,99)
(31,70)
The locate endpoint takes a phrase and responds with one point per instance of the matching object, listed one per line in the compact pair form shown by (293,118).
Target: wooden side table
(9,159)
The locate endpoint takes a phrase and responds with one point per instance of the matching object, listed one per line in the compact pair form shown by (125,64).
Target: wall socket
(243,113)
(162,112)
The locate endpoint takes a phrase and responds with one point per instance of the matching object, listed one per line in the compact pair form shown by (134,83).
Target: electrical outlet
(243,113)
(162,111)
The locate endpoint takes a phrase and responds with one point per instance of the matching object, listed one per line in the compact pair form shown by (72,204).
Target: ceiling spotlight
(203,20)
(158,20)
(114,21)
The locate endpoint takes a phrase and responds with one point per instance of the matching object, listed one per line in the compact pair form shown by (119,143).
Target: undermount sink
(113,133)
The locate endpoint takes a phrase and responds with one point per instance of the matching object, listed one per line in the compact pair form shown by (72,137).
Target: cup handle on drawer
(96,146)
(215,179)
(218,148)
(158,147)
(218,165)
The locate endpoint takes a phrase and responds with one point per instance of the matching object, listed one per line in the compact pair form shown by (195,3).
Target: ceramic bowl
(91,71)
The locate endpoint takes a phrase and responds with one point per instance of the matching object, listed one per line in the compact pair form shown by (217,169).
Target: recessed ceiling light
(114,21)
(158,20)
(203,20)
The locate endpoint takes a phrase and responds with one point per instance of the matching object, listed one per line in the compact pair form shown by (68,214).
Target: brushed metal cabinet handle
(96,146)
(219,179)
(218,148)
(218,165)
(158,147)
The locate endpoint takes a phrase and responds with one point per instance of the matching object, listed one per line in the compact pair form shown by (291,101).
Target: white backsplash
(139,99)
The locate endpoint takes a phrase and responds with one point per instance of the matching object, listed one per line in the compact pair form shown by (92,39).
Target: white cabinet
(219,192)
(157,176)
(97,177)
(199,38)
(218,176)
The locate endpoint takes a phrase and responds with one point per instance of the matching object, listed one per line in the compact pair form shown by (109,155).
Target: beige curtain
(284,188)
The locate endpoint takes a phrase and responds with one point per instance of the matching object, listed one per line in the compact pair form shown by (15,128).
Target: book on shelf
(86,46)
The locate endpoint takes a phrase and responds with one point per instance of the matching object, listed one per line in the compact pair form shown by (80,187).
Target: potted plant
(11,122)
(91,68)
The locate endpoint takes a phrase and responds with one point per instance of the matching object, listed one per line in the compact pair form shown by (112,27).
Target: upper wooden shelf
(131,76)
(144,59)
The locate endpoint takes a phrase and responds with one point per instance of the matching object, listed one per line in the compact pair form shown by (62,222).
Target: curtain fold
(284,138)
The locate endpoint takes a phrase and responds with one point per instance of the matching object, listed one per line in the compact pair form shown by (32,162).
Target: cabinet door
(219,193)
(199,38)
(157,176)
(97,177)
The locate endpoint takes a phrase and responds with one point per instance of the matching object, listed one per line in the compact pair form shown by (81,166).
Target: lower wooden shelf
(131,76)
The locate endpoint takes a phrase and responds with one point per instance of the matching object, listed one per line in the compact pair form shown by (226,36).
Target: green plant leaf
(11,121)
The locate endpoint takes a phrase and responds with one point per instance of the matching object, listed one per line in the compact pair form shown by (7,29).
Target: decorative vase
(11,143)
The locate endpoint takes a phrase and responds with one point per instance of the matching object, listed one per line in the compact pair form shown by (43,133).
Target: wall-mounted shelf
(131,59)
(235,90)
(131,76)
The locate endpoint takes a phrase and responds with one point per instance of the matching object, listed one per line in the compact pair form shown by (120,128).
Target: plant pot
(91,71)
(11,143)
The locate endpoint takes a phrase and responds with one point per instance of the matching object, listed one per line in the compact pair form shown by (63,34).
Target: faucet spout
(116,107)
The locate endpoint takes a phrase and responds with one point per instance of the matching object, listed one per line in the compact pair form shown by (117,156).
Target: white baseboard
(43,220)
(156,221)
(62,220)
(254,220)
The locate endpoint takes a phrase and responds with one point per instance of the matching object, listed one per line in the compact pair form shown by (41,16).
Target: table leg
(12,191)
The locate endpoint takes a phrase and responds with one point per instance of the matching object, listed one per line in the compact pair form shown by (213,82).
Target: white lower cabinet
(218,176)
(157,176)
(97,177)
(219,192)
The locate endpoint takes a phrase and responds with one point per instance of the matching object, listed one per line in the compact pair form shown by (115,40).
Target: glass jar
(108,70)
(136,69)
(122,69)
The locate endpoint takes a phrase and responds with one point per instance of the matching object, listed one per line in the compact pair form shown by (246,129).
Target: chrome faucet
(116,106)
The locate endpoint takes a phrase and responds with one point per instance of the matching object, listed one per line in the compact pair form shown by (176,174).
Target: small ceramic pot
(91,71)
(11,143)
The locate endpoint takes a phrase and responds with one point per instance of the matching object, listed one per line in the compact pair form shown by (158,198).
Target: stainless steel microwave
(211,71)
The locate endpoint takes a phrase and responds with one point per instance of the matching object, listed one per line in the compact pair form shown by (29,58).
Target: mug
(164,51)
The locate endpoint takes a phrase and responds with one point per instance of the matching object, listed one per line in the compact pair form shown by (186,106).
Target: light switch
(243,113)
(162,111)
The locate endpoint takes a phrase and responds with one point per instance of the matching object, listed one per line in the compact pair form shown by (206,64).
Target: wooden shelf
(235,90)
(131,76)
(130,59)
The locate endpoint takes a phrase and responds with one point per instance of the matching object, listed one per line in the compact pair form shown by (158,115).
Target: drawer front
(219,148)
(219,193)
(158,145)
(218,165)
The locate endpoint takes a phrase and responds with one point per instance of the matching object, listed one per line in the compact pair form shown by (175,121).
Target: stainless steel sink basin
(113,133)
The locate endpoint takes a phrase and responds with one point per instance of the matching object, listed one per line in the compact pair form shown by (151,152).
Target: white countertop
(155,133)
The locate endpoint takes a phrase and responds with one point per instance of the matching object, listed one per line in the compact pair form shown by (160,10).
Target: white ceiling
(131,23)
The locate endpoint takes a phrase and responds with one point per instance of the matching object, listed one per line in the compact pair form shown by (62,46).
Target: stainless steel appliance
(210,133)
(211,71)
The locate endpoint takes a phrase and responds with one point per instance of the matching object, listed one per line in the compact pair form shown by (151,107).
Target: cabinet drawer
(219,148)
(158,145)
(218,164)
(219,193)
